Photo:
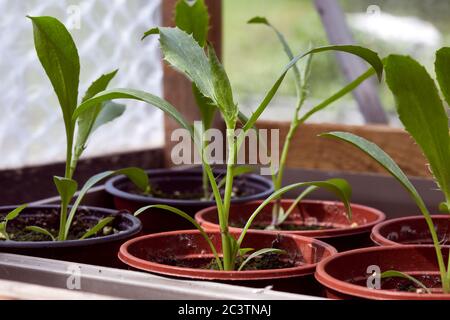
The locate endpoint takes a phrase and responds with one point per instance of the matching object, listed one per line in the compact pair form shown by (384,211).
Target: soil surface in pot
(432,282)
(49,220)
(287,226)
(192,192)
(266,261)
(412,230)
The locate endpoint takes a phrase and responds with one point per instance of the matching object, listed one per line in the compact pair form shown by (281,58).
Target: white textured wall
(31,127)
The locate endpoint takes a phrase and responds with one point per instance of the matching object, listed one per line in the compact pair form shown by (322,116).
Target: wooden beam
(338,32)
(308,151)
(177,89)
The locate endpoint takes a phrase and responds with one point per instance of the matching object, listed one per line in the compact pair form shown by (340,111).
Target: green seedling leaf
(193,18)
(98,115)
(368,55)
(441,66)
(98,227)
(150,32)
(41,230)
(138,176)
(339,187)
(15,213)
(223,94)
(283,216)
(398,274)
(260,253)
(376,153)
(286,47)
(10,216)
(386,161)
(244,251)
(422,113)
(188,218)
(134,95)
(59,57)
(184,53)
(347,89)
(66,189)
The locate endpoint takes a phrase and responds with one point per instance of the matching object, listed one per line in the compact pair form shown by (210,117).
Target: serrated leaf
(193,18)
(422,113)
(59,58)
(99,226)
(223,94)
(442,67)
(184,53)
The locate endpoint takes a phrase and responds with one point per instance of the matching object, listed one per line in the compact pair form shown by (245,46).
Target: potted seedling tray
(123,283)
(324,220)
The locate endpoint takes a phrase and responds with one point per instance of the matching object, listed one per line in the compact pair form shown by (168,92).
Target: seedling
(183,52)
(59,58)
(301,79)
(424,116)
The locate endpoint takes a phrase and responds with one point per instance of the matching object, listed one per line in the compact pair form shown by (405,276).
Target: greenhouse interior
(223,150)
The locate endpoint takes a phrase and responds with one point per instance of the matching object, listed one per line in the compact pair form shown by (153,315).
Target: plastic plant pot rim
(343,287)
(255,275)
(135,228)
(381,240)
(320,234)
(161,173)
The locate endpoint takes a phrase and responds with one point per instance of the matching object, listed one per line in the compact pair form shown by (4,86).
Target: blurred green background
(254,57)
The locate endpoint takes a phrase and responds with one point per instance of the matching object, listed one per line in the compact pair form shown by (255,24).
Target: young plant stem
(68,175)
(287,143)
(226,246)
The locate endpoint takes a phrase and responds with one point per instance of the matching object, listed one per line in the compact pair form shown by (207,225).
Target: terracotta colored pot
(410,230)
(343,236)
(345,274)
(253,186)
(142,252)
(98,251)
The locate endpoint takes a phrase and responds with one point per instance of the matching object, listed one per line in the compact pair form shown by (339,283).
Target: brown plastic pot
(168,180)
(142,252)
(344,235)
(345,274)
(97,250)
(410,231)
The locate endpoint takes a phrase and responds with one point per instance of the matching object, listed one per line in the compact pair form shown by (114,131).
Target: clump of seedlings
(58,55)
(424,116)
(301,80)
(201,65)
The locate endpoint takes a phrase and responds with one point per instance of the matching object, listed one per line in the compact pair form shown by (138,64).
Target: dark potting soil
(195,192)
(284,226)
(267,261)
(432,282)
(49,220)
